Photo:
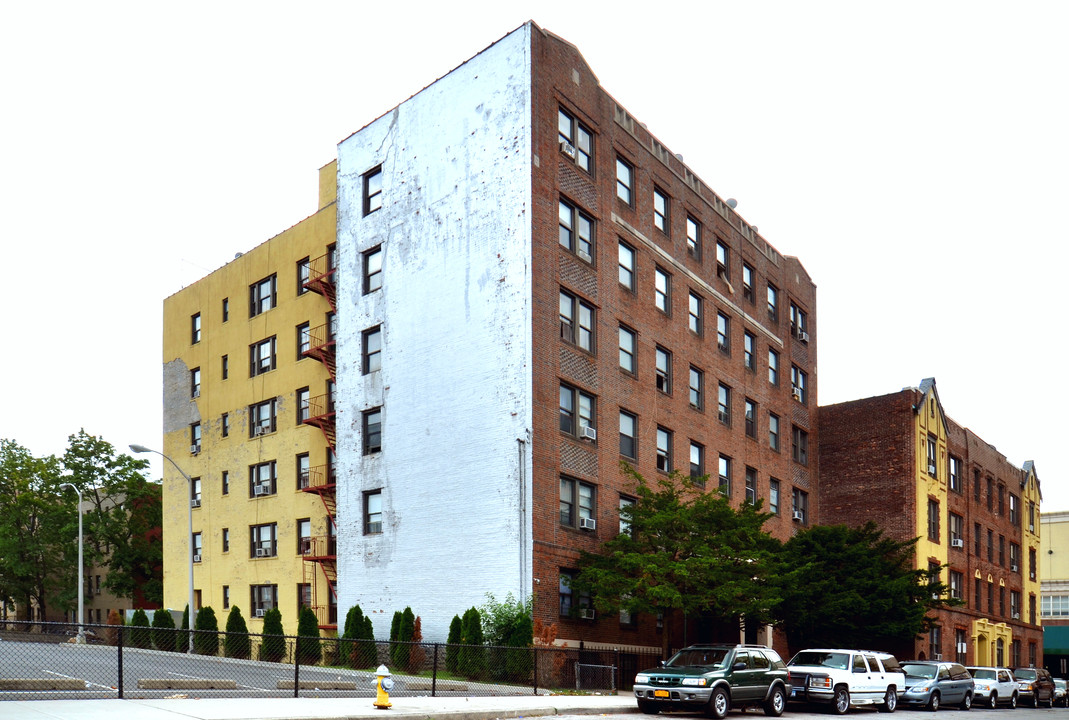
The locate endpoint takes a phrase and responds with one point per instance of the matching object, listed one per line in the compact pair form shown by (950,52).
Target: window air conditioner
(957,542)
(1013,567)
(305,546)
(798,516)
(584,255)
(259,612)
(796,393)
(196,393)
(195,502)
(588,433)
(1017,616)
(194,449)
(260,552)
(567,148)
(588,524)
(587,613)
(196,558)
(803,336)
(258,431)
(931,469)
(937,656)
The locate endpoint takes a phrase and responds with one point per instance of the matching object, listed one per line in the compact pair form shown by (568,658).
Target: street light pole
(81,568)
(189,505)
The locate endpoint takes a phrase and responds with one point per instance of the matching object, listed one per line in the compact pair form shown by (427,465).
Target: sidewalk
(452,708)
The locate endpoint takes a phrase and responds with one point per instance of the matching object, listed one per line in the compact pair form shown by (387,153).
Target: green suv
(715,678)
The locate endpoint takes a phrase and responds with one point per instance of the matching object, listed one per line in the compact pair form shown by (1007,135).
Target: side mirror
(739,666)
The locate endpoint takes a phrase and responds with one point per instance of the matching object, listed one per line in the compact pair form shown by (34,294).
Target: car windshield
(836,660)
(981,674)
(1024,674)
(919,671)
(698,657)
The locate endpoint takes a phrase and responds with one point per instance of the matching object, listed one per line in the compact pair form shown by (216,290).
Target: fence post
(119,683)
(434,671)
(618,673)
(296,667)
(534,652)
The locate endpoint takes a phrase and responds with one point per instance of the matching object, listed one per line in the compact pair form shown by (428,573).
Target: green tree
(853,587)
(395,635)
(452,656)
(206,642)
(236,643)
(182,638)
(140,632)
(309,650)
(369,651)
(358,639)
(508,626)
(686,551)
(472,660)
(163,633)
(273,644)
(38,533)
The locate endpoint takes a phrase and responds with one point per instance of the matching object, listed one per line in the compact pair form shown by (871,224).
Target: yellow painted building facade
(248,381)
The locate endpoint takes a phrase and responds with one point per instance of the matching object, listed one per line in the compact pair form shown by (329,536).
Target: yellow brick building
(248,383)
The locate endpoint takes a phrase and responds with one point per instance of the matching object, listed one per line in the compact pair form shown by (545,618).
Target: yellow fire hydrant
(383,685)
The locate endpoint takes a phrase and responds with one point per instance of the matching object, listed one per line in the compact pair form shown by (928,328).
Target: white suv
(843,678)
(994,685)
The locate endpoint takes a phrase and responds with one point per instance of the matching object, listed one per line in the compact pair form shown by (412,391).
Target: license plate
(660,693)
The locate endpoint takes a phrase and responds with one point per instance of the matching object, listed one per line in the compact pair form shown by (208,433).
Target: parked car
(932,684)
(1035,685)
(993,685)
(1061,692)
(843,678)
(715,679)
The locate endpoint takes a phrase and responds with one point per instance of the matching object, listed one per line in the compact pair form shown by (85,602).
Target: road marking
(87,682)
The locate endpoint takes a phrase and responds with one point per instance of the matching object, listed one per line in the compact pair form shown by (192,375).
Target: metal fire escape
(321,552)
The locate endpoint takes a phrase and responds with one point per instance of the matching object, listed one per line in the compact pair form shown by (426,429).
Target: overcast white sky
(913,155)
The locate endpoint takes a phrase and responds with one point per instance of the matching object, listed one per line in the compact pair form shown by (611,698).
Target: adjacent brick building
(899,460)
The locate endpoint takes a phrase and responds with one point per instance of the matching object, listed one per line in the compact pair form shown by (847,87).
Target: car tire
(1050,702)
(719,703)
(933,702)
(840,701)
(776,702)
(966,703)
(890,700)
(648,708)
(992,702)
(1013,701)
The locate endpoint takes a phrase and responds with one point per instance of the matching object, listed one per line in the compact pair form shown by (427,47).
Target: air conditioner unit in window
(567,148)
(260,552)
(957,542)
(194,449)
(931,469)
(798,516)
(584,255)
(1013,567)
(196,393)
(803,336)
(588,524)
(1017,616)
(195,502)
(305,546)
(588,433)
(258,431)
(196,558)
(587,613)
(937,656)
(796,393)
(259,612)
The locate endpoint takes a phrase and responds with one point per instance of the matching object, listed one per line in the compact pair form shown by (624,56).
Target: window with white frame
(262,479)
(627,506)
(262,417)
(955,477)
(263,540)
(262,357)
(933,446)
(194,491)
(576,232)
(576,321)
(956,527)
(198,547)
(194,437)
(263,295)
(576,140)
(304,339)
(304,274)
(1051,606)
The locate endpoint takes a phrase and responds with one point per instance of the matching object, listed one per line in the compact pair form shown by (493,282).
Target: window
(576,411)
(625,181)
(262,479)
(577,142)
(724,474)
(933,520)
(800,505)
(932,446)
(226,482)
(750,418)
(628,432)
(332,326)
(194,438)
(263,296)
(262,598)
(224,425)
(977,594)
(263,540)
(798,384)
(304,595)
(373,512)
(1053,606)
(991,545)
(627,266)
(1031,516)
(372,430)
(304,340)
(373,270)
(262,418)
(694,238)
(991,599)
(773,496)
(372,190)
(198,547)
(955,476)
(1002,550)
(304,405)
(262,357)
(662,291)
(799,445)
(773,431)
(751,485)
(627,349)
(976,485)
(1015,557)
(697,388)
(1015,510)
(194,323)
(627,506)
(568,605)
(976,535)
(799,324)
(664,449)
(957,580)
(1031,563)
(576,231)
(226,366)
(694,310)
(956,524)
(697,460)
(226,540)
(663,369)
(748,359)
(747,283)
(372,349)
(723,333)
(723,261)
(576,321)
(990,494)
(660,210)
(773,367)
(1032,619)
(226,309)
(576,502)
(723,404)
(304,274)
(194,383)
(773,303)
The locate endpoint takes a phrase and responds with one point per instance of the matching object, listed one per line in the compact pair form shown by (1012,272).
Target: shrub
(472,653)
(309,650)
(416,654)
(140,633)
(357,646)
(273,644)
(509,625)
(206,642)
(400,650)
(182,639)
(114,622)
(452,655)
(163,634)
(236,643)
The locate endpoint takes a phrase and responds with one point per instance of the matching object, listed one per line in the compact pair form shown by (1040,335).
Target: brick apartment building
(899,459)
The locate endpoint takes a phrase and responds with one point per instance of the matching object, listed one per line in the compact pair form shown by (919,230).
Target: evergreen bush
(236,643)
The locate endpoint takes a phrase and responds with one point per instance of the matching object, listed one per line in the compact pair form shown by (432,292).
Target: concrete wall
(455,311)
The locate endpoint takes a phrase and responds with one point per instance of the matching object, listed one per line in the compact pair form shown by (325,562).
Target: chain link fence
(45,661)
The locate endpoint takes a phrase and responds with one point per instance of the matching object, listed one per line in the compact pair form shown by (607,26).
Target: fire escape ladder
(321,272)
